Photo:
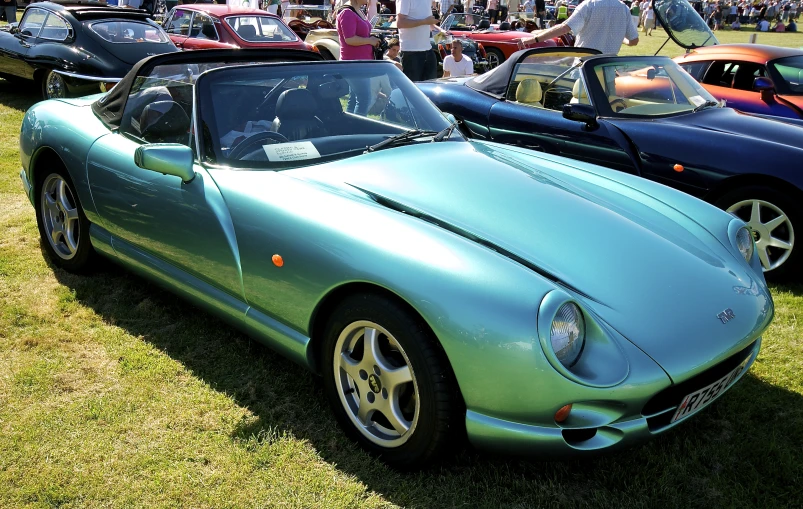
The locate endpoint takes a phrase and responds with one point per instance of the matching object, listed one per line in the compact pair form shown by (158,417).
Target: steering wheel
(243,147)
(618,104)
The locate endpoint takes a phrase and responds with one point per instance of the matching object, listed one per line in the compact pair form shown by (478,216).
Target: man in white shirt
(457,64)
(600,24)
(414,20)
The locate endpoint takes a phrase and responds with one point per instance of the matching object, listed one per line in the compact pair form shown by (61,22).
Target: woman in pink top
(356,43)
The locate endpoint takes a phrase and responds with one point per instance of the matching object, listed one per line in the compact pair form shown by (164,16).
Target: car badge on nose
(726,316)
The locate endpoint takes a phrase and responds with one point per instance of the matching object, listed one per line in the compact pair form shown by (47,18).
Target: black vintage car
(78,49)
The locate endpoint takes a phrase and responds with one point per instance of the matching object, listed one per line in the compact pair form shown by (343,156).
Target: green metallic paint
(167,159)
(651,267)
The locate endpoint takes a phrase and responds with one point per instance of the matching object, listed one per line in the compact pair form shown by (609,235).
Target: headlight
(568,333)
(744,241)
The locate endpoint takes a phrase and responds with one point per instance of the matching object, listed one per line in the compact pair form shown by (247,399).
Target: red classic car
(498,44)
(202,26)
(754,78)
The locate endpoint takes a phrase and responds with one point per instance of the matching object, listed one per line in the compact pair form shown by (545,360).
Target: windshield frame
(781,86)
(600,100)
(204,115)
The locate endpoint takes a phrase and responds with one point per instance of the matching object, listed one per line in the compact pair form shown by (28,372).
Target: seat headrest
(247,32)
(163,119)
(484,24)
(295,103)
(529,92)
(579,91)
(505,25)
(334,87)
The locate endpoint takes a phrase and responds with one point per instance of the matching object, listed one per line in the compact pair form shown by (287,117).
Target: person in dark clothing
(10,10)
(540,11)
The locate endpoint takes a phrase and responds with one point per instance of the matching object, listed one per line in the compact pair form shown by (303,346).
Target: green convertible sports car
(442,287)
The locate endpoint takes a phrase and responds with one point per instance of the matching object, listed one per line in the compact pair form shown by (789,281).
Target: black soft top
(495,81)
(111,106)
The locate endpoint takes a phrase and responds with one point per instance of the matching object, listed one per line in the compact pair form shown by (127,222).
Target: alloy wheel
(60,216)
(376,383)
(771,228)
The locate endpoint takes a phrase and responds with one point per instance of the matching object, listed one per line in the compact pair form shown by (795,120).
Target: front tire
(63,226)
(773,219)
(388,382)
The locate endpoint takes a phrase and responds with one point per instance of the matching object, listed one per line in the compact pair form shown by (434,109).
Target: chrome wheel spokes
(376,383)
(60,216)
(771,228)
(55,87)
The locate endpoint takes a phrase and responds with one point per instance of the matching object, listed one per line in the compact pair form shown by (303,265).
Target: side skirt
(265,329)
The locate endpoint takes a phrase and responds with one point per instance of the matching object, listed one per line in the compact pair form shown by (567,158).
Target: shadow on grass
(19,95)
(744,450)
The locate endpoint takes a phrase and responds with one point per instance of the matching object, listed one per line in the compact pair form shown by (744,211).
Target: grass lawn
(649,45)
(115,394)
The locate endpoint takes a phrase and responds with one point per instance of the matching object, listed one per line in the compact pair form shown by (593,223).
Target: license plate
(698,399)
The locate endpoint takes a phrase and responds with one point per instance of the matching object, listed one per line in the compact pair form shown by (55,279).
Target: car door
(14,48)
(732,81)
(160,218)
(203,33)
(532,113)
(178,26)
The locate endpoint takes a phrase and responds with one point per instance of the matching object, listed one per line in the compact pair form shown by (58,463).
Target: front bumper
(599,429)
(26,185)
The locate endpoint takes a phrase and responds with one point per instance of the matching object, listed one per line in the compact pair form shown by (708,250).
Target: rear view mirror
(580,113)
(166,158)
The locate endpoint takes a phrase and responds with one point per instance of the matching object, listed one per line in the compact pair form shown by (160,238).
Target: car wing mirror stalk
(581,113)
(166,158)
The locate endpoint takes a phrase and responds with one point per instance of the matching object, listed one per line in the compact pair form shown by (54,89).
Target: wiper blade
(705,105)
(445,133)
(400,138)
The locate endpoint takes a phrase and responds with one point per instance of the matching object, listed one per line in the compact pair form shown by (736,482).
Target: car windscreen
(644,87)
(683,24)
(461,22)
(789,75)
(261,29)
(128,32)
(286,115)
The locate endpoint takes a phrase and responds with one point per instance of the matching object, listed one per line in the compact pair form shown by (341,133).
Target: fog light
(563,413)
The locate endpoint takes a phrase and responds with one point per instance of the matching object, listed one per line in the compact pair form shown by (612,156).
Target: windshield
(128,32)
(645,87)
(309,13)
(461,22)
(285,115)
(382,21)
(684,25)
(790,72)
(260,29)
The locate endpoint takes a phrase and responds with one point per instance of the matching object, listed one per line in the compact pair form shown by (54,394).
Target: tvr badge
(726,316)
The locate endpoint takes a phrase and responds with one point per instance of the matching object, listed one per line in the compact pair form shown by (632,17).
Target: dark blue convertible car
(648,117)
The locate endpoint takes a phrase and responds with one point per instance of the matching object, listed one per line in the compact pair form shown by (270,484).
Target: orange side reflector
(277,260)
(678,168)
(563,413)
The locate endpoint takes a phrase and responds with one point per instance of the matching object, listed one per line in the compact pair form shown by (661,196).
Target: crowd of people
(767,15)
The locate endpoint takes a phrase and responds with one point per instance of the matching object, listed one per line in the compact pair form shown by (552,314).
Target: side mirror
(580,113)
(13,28)
(766,87)
(166,158)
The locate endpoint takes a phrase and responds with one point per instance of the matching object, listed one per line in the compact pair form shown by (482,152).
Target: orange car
(754,78)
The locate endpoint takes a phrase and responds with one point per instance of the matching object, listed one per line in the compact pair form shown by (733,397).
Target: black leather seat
(247,32)
(484,24)
(164,122)
(295,115)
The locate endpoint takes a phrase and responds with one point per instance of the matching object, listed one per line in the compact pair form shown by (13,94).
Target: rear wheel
(62,224)
(53,86)
(388,382)
(772,219)
(495,57)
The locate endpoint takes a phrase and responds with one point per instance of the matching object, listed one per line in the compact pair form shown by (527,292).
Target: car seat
(744,77)
(529,92)
(579,94)
(505,25)
(484,24)
(247,32)
(295,115)
(164,122)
